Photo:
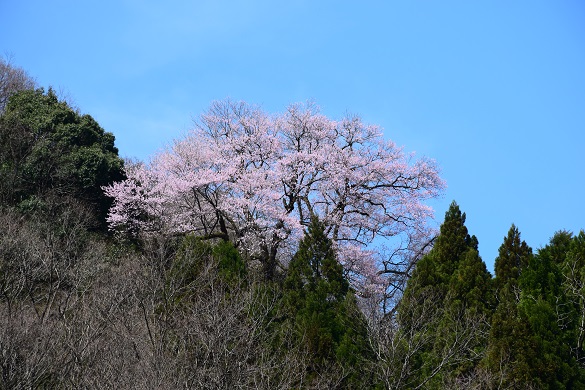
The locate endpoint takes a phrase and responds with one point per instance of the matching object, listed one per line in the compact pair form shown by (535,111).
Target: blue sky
(493,90)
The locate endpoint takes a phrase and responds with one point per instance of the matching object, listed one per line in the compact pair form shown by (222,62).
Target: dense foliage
(192,306)
(48,150)
(321,312)
(454,280)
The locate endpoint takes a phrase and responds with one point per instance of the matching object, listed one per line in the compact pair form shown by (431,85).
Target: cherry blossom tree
(257,180)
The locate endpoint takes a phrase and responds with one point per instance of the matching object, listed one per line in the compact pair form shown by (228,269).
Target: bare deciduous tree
(398,343)
(12,80)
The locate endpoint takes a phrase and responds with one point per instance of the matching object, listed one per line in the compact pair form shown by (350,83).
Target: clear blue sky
(493,90)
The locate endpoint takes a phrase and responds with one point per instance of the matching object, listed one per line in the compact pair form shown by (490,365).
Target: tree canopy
(258,179)
(47,149)
(454,280)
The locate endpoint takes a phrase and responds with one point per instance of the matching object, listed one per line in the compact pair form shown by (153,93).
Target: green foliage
(231,267)
(435,270)
(189,261)
(511,347)
(573,269)
(453,268)
(195,257)
(321,309)
(453,241)
(575,254)
(551,317)
(456,281)
(469,287)
(513,257)
(48,149)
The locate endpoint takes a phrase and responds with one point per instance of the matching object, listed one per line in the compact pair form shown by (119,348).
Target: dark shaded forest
(85,306)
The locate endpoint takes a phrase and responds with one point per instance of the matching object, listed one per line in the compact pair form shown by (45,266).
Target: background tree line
(155,306)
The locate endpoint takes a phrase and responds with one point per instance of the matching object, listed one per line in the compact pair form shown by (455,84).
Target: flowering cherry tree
(257,180)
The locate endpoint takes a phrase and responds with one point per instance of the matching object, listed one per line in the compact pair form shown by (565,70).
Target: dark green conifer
(573,269)
(321,310)
(513,257)
(455,278)
(510,346)
(435,270)
(453,241)
(551,316)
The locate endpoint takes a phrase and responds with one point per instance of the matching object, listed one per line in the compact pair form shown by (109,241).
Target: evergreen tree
(510,347)
(455,278)
(573,268)
(49,151)
(513,257)
(322,312)
(551,316)
(453,241)
(435,270)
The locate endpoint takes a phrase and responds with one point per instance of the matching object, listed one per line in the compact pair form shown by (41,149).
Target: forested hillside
(260,251)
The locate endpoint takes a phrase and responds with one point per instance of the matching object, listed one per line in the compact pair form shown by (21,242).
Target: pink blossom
(258,179)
